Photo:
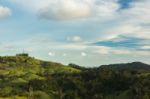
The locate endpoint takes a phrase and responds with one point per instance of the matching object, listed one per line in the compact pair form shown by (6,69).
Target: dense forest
(24,77)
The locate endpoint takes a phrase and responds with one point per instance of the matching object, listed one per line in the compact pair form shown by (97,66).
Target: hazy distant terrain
(25,77)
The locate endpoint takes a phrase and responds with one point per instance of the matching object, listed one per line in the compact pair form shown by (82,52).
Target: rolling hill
(137,66)
(25,77)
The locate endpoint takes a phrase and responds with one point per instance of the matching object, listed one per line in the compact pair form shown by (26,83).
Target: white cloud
(128,30)
(66,9)
(51,54)
(70,9)
(74,39)
(72,46)
(64,54)
(130,21)
(110,51)
(102,50)
(119,51)
(83,54)
(139,11)
(106,8)
(4,12)
(145,47)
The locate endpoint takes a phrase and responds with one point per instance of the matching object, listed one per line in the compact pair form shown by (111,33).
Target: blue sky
(85,32)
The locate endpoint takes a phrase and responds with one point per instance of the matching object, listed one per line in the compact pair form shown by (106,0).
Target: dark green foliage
(137,66)
(40,95)
(23,54)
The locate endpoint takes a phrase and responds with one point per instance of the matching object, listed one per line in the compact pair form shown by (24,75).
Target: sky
(84,32)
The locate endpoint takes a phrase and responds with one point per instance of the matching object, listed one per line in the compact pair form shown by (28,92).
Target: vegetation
(24,77)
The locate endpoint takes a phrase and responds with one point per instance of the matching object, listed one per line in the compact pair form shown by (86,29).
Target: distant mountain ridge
(128,66)
(25,58)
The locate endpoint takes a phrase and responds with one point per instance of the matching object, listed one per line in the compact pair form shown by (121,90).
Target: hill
(25,77)
(19,70)
(22,64)
(137,66)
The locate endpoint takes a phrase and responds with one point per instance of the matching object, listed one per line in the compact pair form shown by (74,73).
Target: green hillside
(19,65)
(24,77)
(17,71)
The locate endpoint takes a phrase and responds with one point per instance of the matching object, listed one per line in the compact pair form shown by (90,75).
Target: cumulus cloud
(70,9)
(4,12)
(139,11)
(132,21)
(66,9)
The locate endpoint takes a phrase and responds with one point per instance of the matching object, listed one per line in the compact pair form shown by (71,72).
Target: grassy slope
(20,65)
(16,97)
(22,69)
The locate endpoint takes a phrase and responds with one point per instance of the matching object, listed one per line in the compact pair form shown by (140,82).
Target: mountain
(25,77)
(137,66)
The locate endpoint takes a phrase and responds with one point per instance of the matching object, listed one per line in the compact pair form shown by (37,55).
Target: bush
(40,95)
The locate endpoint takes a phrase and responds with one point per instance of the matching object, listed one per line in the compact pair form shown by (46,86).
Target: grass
(14,97)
